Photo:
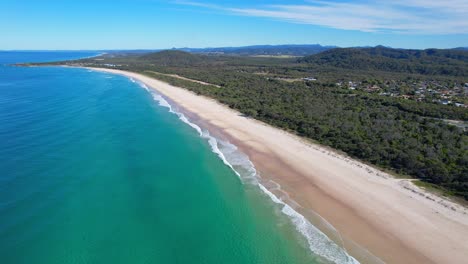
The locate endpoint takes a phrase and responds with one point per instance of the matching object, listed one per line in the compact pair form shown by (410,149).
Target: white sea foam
(318,242)
(182,117)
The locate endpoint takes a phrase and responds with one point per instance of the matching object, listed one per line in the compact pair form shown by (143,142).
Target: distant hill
(272,50)
(428,62)
(172,58)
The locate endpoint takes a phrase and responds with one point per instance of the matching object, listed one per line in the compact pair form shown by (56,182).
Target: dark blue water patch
(11,57)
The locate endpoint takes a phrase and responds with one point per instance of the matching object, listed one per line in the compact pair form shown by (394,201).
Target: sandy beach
(391,218)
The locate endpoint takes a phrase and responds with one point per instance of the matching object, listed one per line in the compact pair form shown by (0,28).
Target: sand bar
(393,219)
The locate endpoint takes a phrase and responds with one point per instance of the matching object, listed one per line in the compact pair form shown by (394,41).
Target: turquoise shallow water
(94,170)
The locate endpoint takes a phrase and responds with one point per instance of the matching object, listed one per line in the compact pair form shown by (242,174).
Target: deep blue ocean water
(94,170)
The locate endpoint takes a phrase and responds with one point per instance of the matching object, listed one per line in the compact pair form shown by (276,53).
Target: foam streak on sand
(365,205)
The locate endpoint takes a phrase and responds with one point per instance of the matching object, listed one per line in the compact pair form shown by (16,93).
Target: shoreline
(393,219)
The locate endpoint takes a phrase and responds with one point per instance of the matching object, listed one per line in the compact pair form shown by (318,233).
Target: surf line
(318,242)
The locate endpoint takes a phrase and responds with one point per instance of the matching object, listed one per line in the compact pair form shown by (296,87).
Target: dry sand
(391,218)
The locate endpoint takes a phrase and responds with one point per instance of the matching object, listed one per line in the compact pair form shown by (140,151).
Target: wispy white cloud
(398,16)
(198,4)
(456,6)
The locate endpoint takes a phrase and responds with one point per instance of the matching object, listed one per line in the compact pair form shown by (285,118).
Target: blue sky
(154,24)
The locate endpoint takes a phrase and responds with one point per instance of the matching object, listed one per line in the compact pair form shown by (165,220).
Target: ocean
(94,168)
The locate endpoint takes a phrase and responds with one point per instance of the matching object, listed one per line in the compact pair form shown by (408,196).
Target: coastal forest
(401,110)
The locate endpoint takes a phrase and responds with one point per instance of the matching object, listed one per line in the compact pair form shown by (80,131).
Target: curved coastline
(365,205)
(319,243)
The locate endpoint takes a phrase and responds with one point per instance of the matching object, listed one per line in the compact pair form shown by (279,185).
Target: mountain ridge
(452,62)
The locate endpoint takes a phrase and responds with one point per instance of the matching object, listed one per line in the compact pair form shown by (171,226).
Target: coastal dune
(391,218)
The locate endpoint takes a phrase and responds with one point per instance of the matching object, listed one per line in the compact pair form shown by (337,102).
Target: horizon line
(214,47)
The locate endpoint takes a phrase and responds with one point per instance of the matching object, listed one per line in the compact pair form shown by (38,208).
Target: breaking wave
(241,165)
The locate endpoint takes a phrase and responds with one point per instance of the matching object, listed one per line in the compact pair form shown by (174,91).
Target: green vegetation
(275,50)
(427,62)
(405,136)
(172,58)
(363,126)
(437,189)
